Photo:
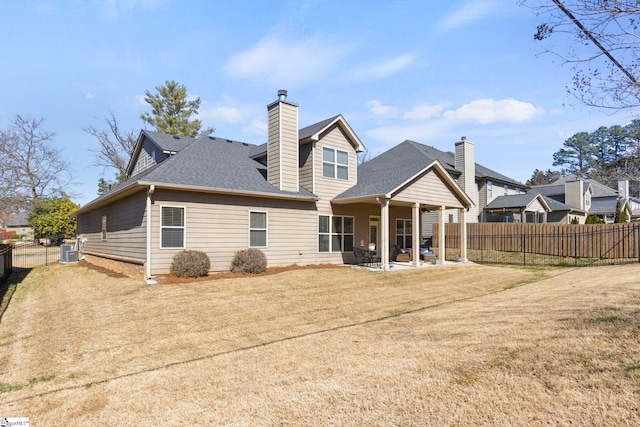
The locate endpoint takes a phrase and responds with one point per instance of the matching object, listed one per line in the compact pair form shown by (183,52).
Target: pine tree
(171,111)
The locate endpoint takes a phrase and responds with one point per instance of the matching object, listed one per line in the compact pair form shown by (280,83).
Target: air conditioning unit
(68,254)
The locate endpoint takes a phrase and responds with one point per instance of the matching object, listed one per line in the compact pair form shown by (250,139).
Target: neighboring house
(586,195)
(517,208)
(20,224)
(301,198)
(565,200)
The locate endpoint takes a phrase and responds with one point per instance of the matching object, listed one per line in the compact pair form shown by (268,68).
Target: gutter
(150,192)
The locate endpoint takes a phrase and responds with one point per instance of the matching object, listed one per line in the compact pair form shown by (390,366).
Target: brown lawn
(445,345)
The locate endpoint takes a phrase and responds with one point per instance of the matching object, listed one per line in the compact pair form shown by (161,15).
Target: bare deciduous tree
(116,146)
(31,167)
(605,49)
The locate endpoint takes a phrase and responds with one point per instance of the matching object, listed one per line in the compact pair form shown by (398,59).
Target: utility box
(68,254)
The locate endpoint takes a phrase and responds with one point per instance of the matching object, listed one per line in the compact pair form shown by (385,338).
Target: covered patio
(399,199)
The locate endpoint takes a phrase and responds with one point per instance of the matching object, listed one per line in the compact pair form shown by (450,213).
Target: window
(506,190)
(587,199)
(335,163)
(172,227)
(403,233)
(517,191)
(335,233)
(257,229)
(489,189)
(103,234)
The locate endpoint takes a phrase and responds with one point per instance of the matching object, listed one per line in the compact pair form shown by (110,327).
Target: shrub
(250,260)
(190,264)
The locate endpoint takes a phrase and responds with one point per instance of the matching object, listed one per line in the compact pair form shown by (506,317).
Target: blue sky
(396,69)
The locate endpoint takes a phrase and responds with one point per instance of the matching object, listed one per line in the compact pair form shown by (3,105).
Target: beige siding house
(301,198)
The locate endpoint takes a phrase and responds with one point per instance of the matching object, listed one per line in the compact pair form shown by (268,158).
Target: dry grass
(448,345)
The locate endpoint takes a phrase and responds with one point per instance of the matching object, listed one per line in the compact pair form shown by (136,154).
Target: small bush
(190,264)
(250,260)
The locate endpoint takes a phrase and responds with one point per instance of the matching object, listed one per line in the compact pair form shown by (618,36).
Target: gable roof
(448,160)
(517,201)
(394,168)
(607,205)
(168,144)
(599,190)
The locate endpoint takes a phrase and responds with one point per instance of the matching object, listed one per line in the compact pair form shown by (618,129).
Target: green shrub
(250,260)
(190,264)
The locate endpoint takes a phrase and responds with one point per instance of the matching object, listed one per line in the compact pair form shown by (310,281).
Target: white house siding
(219,226)
(328,188)
(126,228)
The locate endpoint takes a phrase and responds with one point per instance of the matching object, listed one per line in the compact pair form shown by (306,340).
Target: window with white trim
(172,227)
(489,189)
(257,229)
(335,233)
(335,163)
(404,233)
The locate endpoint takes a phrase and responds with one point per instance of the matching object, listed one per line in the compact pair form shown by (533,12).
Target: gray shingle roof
(603,205)
(306,132)
(512,201)
(215,163)
(556,206)
(169,142)
(19,220)
(390,169)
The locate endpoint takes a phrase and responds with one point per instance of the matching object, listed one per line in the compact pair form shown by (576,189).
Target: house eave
(215,190)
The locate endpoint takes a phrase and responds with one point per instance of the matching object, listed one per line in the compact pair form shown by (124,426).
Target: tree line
(606,155)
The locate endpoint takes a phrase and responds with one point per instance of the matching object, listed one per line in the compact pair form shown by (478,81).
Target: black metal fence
(43,251)
(6,263)
(547,244)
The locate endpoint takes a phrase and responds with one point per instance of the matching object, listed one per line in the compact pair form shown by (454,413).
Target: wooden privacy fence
(597,242)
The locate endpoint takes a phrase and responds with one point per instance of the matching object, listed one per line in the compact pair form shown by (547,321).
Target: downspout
(150,281)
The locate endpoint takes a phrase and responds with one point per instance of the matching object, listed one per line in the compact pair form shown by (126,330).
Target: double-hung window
(257,229)
(335,163)
(335,233)
(403,233)
(172,227)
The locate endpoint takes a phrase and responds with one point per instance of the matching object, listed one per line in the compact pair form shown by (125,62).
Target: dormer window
(335,163)
(587,200)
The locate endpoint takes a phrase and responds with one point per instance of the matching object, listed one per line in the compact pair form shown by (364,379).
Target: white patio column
(415,253)
(463,235)
(441,249)
(384,244)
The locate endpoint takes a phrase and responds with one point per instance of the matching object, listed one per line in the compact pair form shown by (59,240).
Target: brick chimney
(283,144)
(465,162)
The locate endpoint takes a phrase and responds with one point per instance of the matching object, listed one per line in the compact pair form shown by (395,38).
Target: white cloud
(287,62)
(485,111)
(378,109)
(220,114)
(89,96)
(383,69)
(469,13)
(423,112)
(257,127)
